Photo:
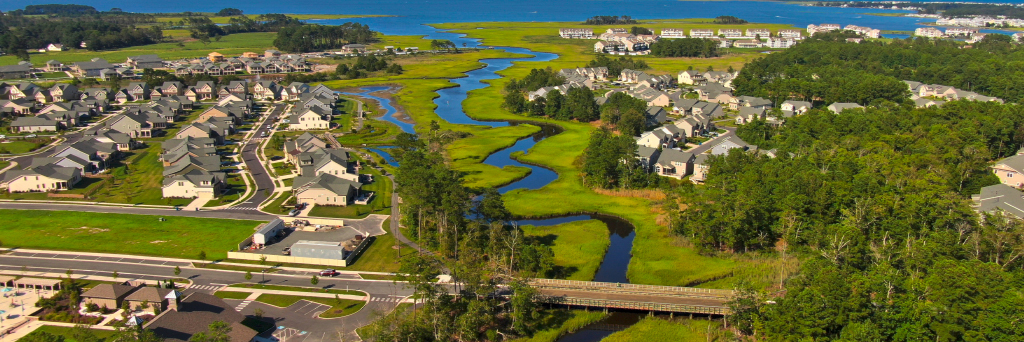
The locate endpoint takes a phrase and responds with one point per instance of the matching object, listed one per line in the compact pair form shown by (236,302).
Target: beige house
(41,178)
(153,296)
(700,169)
(193,184)
(311,118)
(1011,170)
(107,295)
(31,124)
(325,189)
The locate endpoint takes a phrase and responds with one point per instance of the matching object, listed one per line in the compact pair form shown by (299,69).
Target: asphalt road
(264,184)
(384,295)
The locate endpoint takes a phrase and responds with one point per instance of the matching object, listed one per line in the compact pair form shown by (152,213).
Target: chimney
(173,299)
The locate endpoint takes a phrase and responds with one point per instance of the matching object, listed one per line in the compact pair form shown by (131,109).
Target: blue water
(382,151)
(411,14)
(389,110)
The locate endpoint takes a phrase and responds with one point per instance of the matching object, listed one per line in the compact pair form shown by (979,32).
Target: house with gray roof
(1010,170)
(792,108)
(325,189)
(31,124)
(999,197)
(145,62)
(701,165)
(41,179)
(750,101)
(840,107)
(188,163)
(733,142)
(91,68)
(194,314)
(15,71)
(191,180)
(674,163)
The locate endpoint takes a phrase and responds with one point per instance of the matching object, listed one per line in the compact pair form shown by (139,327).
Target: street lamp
(263,276)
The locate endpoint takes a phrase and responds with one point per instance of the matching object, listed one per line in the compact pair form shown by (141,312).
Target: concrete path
(199,202)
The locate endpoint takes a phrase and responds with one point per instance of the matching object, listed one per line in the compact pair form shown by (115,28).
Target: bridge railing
(635,305)
(633,288)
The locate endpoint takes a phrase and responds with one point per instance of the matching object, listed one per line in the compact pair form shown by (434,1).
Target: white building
(791,34)
(929,32)
(576,33)
(702,33)
(673,33)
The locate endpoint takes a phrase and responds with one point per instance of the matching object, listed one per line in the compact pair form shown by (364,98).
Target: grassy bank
(178,237)
(659,329)
(557,323)
(579,247)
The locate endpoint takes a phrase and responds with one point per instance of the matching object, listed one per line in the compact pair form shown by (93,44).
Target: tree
(134,334)
(217,332)
(114,275)
(248,275)
(202,255)
(315,280)
(82,333)
(229,12)
(263,259)
(42,336)
(177,270)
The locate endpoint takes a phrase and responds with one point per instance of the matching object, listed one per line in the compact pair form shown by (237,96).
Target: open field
(178,237)
(543,36)
(67,333)
(229,45)
(381,256)
(579,247)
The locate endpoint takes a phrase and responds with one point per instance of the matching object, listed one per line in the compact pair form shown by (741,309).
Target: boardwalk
(634,297)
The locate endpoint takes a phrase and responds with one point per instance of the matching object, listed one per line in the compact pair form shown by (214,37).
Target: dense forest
(475,241)
(18,33)
(685,47)
(202,27)
(610,162)
(876,204)
(825,69)
(609,20)
(536,79)
(576,104)
(728,20)
(308,38)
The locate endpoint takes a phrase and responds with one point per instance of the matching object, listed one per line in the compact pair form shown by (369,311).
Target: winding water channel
(449,107)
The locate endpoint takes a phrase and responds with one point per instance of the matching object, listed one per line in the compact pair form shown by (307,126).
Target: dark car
(328,273)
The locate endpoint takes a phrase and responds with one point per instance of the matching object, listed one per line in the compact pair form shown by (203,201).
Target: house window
(1009,174)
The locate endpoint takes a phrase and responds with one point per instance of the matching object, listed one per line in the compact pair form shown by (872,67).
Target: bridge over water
(633,296)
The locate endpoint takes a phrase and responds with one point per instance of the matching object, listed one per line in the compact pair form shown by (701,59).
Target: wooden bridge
(633,296)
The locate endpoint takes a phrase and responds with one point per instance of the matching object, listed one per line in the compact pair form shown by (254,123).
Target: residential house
(97,153)
(647,157)
(665,137)
(791,107)
(730,33)
(32,124)
(749,101)
(755,32)
(140,125)
(107,296)
(16,107)
(266,90)
(702,33)
(22,91)
(748,114)
(192,183)
(673,33)
(313,118)
(692,77)
(15,71)
(64,92)
(194,314)
(700,169)
(91,68)
(155,297)
(330,161)
(215,57)
(928,32)
(748,44)
(145,62)
(576,33)
(652,96)
(55,47)
(53,66)
(839,107)
(674,163)
(1010,170)
(306,142)
(204,90)
(656,116)
(791,33)
(218,111)
(41,179)
(325,189)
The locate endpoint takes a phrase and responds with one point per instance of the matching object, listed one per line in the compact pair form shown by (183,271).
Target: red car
(328,273)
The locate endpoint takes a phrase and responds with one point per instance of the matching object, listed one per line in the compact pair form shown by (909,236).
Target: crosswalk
(242,305)
(241,208)
(385,299)
(204,287)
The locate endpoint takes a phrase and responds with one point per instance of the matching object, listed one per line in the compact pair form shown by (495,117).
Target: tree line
(616,65)
(475,240)
(610,161)
(609,20)
(576,104)
(685,47)
(308,38)
(877,206)
(826,69)
(18,33)
(536,79)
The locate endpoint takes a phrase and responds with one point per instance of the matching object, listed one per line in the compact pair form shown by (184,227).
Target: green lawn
(232,294)
(381,256)
(339,307)
(579,247)
(66,333)
(18,146)
(298,289)
(235,189)
(276,206)
(179,237)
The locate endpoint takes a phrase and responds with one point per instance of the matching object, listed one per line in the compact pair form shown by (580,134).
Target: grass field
(180,237)
(19,146)
(660,329)
(66,333)
(339,308)
(229,45)
(380,256)
(579,246)
(226,20)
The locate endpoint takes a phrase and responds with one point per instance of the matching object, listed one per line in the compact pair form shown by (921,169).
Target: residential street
(264,184)
(224,214)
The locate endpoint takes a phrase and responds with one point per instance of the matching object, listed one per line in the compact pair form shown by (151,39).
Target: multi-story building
(928,32)
(673,33)
(576,33)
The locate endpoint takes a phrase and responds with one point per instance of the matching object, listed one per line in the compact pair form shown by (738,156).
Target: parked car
(328,273)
